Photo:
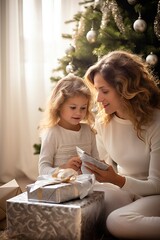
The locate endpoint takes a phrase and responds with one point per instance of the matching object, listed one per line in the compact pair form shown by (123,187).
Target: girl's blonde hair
(68,87)
(131,77)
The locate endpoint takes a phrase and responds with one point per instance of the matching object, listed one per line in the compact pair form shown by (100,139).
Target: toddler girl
(67,124)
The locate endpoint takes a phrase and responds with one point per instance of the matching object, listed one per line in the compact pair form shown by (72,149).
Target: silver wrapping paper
(54,193)
(61,192)
(73,220)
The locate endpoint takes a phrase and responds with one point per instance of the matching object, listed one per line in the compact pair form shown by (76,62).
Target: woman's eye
(105,92)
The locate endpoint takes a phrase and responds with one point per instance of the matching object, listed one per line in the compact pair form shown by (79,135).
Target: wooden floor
(23,182)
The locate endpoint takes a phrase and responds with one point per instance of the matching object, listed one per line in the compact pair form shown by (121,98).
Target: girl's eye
(83,108)
(72,107)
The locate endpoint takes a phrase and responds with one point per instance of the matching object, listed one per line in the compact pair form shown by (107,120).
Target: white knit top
(59,144)
(138,161)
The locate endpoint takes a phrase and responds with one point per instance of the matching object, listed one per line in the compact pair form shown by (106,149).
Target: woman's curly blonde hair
(68,87)
(134,81)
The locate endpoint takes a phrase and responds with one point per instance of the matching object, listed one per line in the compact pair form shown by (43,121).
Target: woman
(128,138)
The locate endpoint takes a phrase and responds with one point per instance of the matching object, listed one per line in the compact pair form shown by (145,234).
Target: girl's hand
(74,163)
(108,175)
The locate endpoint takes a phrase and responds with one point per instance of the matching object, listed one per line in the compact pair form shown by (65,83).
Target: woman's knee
(125,223)
(113,223)
(122,224)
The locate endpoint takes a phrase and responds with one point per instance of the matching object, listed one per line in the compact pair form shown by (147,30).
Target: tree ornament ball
(96,2)
(132,2)
(139,25)
(91,36)
(152,59)
(70,49)
(70,68)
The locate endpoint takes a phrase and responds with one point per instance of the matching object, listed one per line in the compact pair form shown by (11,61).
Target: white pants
(129,216)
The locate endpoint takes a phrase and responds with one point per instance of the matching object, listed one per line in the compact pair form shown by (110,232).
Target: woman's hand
(74,163)
(108,175)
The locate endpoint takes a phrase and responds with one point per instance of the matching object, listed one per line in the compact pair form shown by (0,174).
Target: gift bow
(59,176)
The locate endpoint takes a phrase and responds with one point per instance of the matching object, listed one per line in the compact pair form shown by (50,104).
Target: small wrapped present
(72,220)
(86,158)
(7,191)
(58,190)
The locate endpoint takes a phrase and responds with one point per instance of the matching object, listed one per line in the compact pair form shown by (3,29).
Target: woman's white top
(138,161)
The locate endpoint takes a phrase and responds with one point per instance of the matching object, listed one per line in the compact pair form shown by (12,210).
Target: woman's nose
(99,97)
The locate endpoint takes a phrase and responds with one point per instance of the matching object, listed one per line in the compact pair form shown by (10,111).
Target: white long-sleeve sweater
(139,162)
(59,144)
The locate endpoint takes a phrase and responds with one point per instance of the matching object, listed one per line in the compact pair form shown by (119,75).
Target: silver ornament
(91,36)
(152,59)
(140,25)
(70,68)
(70,50)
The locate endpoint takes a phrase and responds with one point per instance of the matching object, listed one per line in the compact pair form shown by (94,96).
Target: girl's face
(108,96)
(73,110)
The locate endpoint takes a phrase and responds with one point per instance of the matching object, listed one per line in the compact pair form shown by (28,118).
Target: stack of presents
(53,208)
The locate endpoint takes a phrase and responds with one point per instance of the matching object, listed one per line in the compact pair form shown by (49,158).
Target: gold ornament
(157,22)
(81,26)
(111,6)
(106,13)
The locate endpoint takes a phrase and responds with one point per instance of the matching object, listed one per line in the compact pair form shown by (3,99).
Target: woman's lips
(106,105)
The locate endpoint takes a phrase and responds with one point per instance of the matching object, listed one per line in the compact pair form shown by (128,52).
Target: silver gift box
(73,220)
(61,192)
(56,193)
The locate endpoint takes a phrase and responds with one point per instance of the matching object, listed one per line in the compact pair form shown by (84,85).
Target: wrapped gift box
(54,193)
(7,191)
(73,220)
(61,192)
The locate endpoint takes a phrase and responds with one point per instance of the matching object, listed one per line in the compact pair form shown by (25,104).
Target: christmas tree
(107,25)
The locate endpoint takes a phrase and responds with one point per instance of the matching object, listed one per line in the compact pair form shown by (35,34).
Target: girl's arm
(46,157)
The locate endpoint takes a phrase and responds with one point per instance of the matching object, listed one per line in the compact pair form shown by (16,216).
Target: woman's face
(108,96)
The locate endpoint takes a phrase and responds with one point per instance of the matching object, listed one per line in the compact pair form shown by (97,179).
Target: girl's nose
(78,111)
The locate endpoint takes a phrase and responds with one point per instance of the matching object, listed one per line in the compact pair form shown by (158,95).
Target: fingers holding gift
(101,175)
(74,163)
